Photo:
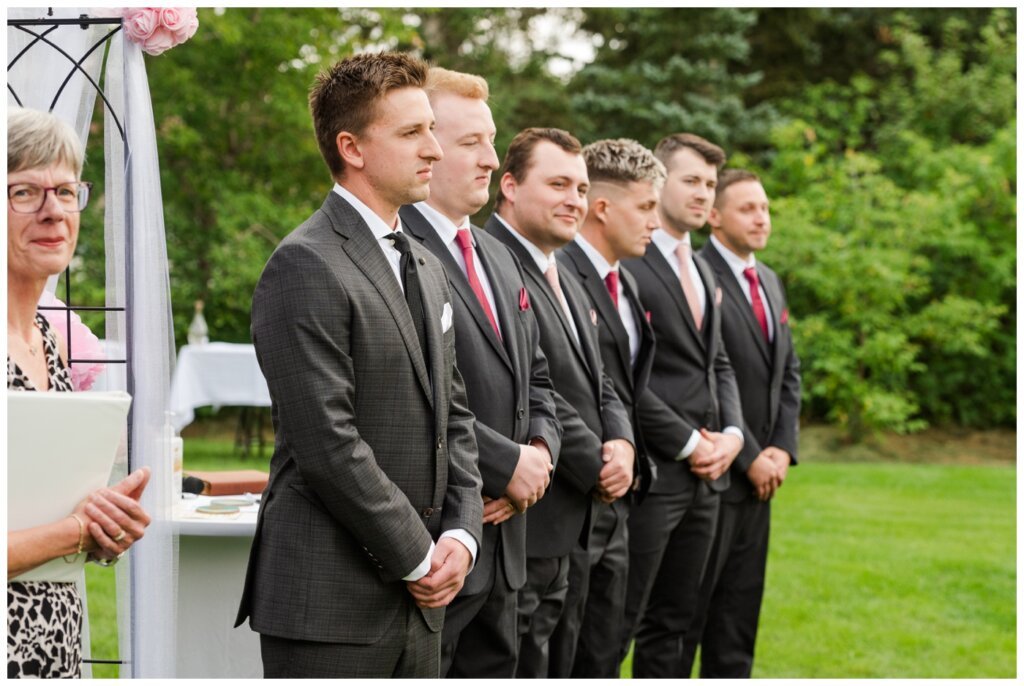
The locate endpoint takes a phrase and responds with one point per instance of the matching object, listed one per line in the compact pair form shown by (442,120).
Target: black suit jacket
(768,375)
(692,382)
(630,380)
(507,383)
(374,453)
(588,408)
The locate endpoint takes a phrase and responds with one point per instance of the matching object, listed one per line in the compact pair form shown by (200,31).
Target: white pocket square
(446,317)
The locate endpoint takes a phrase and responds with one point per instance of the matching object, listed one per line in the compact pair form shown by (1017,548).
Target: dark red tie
(465,240)
(755,300)
(611,280)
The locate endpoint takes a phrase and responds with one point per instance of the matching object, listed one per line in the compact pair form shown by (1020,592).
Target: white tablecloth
(215,374)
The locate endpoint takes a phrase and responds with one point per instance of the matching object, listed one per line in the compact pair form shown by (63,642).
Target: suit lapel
(420,227)
(728,282)
(708,327)
(663,270)
(366,254)
(646,331)
(507,311)
(775,306)
(432,281)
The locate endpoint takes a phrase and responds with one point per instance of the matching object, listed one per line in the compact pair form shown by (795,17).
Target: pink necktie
(611,280)
(551,274)
(755,299)
(465,241)
(689,290)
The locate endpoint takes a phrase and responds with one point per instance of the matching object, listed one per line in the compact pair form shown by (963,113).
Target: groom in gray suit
(372,517)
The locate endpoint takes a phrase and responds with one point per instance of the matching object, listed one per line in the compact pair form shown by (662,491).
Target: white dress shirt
(381,231)
(667,245)
(447,232)
(737,265)
(542,261)
(625,308)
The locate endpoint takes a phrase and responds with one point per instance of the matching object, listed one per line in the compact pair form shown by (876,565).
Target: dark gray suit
(510,394)
(586,645)
(768,376)
(590,413)
(692,385)
(375,452)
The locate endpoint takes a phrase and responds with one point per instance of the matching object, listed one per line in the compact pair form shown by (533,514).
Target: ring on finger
(119,537)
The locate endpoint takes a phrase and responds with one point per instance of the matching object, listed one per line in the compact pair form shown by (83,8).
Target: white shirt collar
(446,229)
(378,226)
(667,243)
(735,262)
(543,261)
(596,258)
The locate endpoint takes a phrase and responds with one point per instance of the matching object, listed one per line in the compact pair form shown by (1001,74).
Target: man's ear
(599,207)
(350,150)
(714,218)
(507,186)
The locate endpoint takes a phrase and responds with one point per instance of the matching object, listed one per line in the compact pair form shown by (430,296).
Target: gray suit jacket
(588,408)
(768,375)
(692,383)
(507,383)
(375,454)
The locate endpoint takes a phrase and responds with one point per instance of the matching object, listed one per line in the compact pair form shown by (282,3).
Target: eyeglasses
(28,198)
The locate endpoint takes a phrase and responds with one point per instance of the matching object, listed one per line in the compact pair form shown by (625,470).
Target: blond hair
(441,80)
(39,139)
(622,161)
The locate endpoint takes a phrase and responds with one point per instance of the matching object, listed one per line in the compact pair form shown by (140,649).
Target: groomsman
(497,344)
(625,179)
(755,328)
(691,417)
(543,200)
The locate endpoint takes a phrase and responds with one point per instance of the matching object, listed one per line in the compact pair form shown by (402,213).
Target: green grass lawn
(876,569)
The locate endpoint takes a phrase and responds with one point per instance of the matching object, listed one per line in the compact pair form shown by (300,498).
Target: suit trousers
(585,643)
(726,623)
(541,601)
(479,636)
(670,539)
(409,649)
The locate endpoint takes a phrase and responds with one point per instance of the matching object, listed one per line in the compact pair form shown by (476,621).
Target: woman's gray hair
(622,160)
(37,139)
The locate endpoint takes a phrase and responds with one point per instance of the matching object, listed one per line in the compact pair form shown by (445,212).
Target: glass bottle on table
(198,334)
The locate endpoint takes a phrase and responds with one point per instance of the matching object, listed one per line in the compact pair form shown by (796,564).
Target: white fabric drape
(137,278)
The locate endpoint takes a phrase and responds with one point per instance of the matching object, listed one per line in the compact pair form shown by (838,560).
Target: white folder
(60,448)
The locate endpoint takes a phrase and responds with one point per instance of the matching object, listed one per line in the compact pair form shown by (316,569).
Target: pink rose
(173,18)
(83,342)
(160,41)
(140,22)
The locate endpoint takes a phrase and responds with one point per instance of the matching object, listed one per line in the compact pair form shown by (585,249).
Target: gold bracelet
(81,538)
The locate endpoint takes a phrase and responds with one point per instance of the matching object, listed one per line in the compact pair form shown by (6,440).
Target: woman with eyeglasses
(45,197)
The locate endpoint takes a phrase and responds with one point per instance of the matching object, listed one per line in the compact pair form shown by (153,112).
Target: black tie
(411,284)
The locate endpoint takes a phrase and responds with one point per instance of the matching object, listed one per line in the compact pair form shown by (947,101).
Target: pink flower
(181,21)
(140,22)
(83,342)
(160,41)
(157,30)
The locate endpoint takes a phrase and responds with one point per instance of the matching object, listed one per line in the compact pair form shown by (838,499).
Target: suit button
(440,441)
(427,512)
(520,413)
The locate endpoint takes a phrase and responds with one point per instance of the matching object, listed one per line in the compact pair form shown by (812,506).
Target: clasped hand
(616,475)
(114,518)
(714,454)
(449,566)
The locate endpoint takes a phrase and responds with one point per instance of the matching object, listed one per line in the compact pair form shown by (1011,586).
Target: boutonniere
(648,315)
(524,300)
(718,296)
(593,316)
(784,319)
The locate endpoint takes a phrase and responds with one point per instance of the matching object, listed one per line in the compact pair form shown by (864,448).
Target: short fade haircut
(622,161)
(441,80)
(730,177)
(344,98)
(670,145)
(519,156)
(39,139)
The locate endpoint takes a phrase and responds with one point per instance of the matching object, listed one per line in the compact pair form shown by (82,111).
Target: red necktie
(465,241)
(755,299)
(611,280)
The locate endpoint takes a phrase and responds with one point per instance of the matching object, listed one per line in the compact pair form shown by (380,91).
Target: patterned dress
(44,618)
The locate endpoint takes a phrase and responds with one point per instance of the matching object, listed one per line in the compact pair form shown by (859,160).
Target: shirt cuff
(690,446)
(422,568)
(463,537)
(735,431)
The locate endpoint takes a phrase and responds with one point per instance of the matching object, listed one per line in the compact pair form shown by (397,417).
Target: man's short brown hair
(344,98)
(727,178)
(441,80)
(670,145)
(520,152)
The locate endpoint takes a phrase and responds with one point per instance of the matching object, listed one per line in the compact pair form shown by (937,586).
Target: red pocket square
(784,319)
(524,300)
(718,296)
(648,315)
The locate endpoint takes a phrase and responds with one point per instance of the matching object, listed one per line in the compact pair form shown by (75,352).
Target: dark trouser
(540,607)
(479,637)
(408,649)
(726,623)
(585,643)
(670,537)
